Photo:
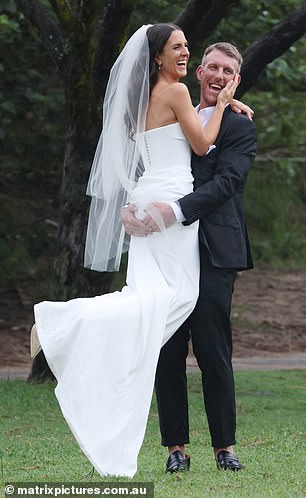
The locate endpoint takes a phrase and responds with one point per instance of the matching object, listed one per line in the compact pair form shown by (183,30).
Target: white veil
(116,166)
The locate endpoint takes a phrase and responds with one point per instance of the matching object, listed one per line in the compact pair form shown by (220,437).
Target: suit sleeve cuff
(177,211)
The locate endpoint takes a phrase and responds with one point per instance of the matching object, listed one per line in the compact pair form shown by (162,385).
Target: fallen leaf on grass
(30,468)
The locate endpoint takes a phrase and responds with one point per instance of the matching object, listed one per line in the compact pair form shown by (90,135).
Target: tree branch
(270,46)
(64,13)
(50,32)
(200,17)
(192,13)
(84,29)
(111,37)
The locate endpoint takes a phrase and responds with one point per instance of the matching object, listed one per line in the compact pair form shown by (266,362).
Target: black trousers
(210,329)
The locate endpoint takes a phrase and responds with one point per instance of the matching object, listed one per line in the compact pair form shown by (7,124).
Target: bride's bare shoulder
(179,88)
(176,88)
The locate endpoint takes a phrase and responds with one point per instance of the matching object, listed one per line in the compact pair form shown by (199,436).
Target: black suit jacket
(217,200)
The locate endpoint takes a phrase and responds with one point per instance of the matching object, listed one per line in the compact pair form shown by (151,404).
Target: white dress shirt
(204,115)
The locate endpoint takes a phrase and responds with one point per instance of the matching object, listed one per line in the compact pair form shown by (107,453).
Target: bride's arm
(240,107)
(199,138)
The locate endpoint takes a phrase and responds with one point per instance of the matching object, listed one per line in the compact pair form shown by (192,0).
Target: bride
(103,351)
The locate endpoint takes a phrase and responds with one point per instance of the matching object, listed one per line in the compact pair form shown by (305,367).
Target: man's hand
(164,210)
(142,228)
(132,225)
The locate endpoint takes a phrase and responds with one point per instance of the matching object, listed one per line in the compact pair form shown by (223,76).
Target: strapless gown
(104,350)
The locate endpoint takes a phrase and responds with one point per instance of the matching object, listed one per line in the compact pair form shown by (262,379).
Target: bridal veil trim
(117,164)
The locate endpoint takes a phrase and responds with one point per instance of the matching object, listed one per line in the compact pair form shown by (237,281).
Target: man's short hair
(227,49)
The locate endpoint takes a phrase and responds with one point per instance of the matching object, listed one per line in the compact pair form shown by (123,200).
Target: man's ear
(239,79)
(199,72)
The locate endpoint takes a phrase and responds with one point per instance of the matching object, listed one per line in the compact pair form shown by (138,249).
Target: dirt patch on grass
(269,312)
(269,316)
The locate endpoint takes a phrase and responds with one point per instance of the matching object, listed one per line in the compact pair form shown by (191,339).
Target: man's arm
(142,228)
(233,164)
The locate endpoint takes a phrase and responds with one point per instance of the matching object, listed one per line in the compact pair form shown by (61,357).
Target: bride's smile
(174,58)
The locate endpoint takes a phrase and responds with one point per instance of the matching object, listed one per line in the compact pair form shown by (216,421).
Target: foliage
(276,214)
(33,127)
(270,408)
(31,102)
(32,141)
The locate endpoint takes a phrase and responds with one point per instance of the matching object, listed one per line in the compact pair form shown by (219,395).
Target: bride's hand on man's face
(228,92)
(132,225)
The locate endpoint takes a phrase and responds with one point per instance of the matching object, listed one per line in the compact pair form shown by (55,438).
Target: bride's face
(174,58)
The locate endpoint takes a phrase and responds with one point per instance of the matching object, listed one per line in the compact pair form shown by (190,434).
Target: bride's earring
(158,64)
(35,346)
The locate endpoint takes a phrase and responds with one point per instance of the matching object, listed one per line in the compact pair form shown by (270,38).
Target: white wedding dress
(104,350)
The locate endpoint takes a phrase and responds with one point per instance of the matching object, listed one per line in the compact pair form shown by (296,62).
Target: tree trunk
(70,278)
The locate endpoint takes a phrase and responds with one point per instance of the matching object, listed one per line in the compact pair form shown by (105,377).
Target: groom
(217,201)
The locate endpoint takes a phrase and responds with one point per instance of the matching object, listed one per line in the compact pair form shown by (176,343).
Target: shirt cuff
(175,205)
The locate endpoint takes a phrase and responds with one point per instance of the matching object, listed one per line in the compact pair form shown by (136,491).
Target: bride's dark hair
(158,35)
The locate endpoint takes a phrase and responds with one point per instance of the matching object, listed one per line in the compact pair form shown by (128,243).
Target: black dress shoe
(227,460)
(177,462)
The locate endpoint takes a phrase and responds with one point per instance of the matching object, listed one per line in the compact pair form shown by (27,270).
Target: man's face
(218,69)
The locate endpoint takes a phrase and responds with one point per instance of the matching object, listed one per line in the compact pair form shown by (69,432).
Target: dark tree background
(82,40)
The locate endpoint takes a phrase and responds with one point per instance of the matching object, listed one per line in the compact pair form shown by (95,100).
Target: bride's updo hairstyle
(158,35)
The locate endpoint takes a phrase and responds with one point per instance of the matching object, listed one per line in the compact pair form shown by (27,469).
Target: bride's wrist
(221,105)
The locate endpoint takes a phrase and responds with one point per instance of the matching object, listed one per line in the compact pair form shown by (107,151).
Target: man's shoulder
(240,120)
(236,126)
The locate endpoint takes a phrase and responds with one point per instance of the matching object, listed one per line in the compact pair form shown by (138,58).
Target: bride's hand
(241,108)
(228,92)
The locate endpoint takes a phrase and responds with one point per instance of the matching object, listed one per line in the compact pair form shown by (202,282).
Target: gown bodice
(166,156)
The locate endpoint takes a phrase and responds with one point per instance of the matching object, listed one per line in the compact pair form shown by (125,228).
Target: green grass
(36,444)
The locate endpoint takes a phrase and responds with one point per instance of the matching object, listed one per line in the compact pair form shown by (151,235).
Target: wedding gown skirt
(104,350)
